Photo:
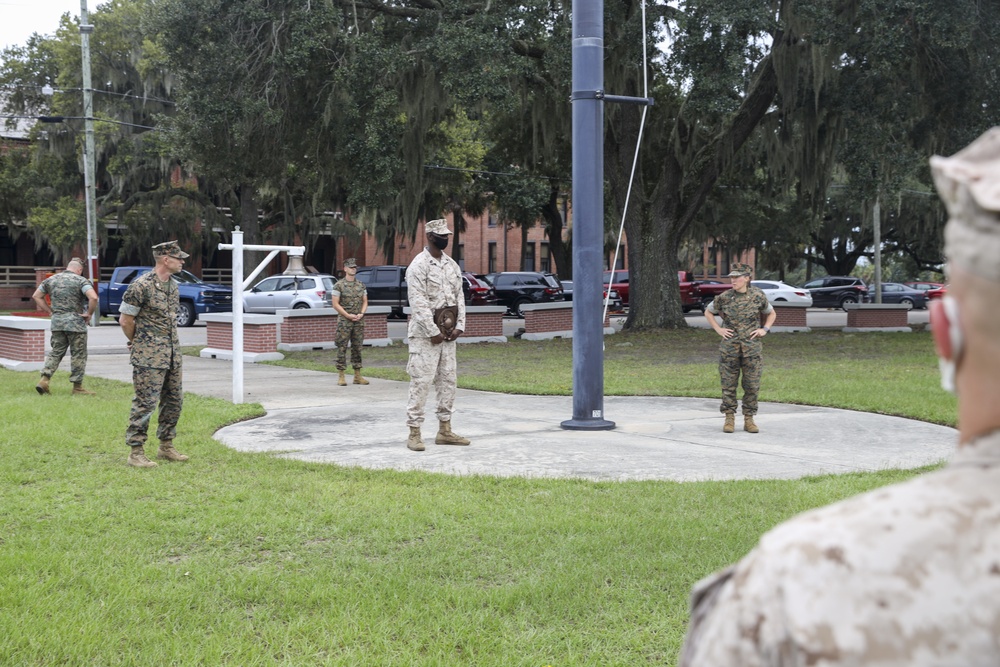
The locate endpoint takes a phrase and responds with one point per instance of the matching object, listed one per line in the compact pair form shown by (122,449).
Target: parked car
(779,292)
(710,289)
(477,291)
(837,291)
(386,287)
(923,286)
(196,297)
(290,292)
(517,288)
(900,293)
(937,293)
(618,282)
(614,303)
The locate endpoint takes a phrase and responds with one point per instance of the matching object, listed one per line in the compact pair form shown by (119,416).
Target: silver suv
(289,292)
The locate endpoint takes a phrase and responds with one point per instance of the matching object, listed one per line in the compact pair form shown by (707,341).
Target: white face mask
(948,366)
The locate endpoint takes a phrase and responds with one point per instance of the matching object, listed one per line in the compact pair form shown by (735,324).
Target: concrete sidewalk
(677,439)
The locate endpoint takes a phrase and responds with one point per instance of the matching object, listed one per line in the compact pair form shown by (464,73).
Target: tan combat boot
(79,390)
(748,424)
(730,424)
(357,377)
(137,458)
(445,436)
(415,442)
(342,381)
(43,385)
(167,451)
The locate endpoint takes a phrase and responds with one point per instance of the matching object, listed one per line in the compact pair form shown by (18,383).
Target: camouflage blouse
(154,304)
(352,295)
(741,312)
(68,293)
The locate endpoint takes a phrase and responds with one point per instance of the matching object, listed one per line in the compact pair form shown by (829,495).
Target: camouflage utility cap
(169,249)
(969,185)
(439,227)
(740,270)
(350,263)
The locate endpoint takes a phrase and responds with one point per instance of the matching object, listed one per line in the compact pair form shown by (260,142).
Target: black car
(837,291)
(899,293)
(516,288)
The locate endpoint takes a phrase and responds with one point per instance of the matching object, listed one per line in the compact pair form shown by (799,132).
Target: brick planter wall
(22,343)
(877,317)
(789,316)
(484,321)
(317,329)
(258,337)
(559,318)
(542,320)
(17,297)
(309,326)
(483,324)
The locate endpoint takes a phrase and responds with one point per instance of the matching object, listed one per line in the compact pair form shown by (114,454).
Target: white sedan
(779,292)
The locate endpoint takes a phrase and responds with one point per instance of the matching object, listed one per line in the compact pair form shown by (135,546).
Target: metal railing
(19,275)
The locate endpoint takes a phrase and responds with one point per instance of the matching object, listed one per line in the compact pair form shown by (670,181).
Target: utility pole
(588,217)
(877,233)
(588,99)
(89,156)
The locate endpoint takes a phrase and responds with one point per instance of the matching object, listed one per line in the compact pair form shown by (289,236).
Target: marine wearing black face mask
(440,242)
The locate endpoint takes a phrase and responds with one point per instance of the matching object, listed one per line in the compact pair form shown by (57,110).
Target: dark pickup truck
(197,297)
(386,286)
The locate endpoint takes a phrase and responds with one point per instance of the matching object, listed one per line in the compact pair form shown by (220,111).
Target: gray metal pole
(89,157)
(588,217)
(877,232)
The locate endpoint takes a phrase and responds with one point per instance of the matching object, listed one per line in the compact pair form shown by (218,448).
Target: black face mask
(440,242)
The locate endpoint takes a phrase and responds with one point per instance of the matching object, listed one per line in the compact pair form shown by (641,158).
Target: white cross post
(239,284)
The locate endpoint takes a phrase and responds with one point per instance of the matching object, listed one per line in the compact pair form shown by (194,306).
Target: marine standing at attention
(69,292)
(437,319)
(741,350)
(149,321)
(350,299)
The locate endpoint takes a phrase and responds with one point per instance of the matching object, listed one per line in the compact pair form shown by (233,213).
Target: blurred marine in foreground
(907,574)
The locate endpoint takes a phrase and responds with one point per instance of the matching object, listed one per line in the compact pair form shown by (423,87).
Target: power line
(60,119)
(495,173)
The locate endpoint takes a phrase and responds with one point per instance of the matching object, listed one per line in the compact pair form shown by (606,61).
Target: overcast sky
(20,18)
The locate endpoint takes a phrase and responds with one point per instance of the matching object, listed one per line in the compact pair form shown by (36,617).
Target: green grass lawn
(243,559)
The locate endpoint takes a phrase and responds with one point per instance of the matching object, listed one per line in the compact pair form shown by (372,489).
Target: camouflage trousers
(353,333)
(730,367)
(435,365)
(154,385)
(76,342)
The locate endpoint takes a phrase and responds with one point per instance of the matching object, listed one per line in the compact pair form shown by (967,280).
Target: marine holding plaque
(434,281)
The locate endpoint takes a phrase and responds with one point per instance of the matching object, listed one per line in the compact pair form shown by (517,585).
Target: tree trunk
(458,222)
(250,223)
(524,246)
(559,252)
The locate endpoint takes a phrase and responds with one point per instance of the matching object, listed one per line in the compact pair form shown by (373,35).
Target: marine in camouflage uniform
(434,281)
(908,574)
(350,298)
(71,295)
(149,307)
(741,350)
